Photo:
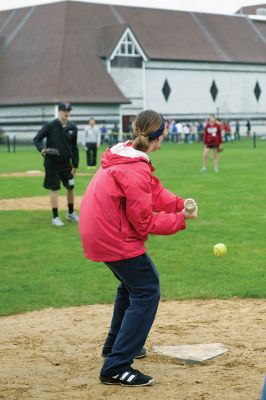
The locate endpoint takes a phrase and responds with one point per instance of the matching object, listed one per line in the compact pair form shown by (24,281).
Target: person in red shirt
(123,204)
(227,131)
(212,139)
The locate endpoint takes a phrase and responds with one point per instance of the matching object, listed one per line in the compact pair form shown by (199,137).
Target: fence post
(8,143)
(254,140)
(14,143)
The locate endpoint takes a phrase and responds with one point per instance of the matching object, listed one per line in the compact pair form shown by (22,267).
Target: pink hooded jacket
(123,204)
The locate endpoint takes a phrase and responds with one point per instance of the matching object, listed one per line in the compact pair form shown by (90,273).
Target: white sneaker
(57,222)
(73,217)
(204,169)
(216,170)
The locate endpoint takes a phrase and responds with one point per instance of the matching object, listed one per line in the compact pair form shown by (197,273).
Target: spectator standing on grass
(237,131)
(103,130)
(61,159)
(212,139)
(173,131)
(248,125)
(92,140)
(193,132)
(200,130)
(227,131)
(123,204)
(187,130)
(179,127)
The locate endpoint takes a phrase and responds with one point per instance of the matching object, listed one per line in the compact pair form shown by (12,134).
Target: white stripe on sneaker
(131,378)
(123,377)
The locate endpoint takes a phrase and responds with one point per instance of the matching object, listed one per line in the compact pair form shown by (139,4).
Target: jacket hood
(122,153)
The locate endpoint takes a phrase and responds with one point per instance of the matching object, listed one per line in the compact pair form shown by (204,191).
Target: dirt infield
(54,354)
(33,173)
(35,203)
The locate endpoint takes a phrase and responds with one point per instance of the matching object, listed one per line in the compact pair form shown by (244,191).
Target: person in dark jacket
(61,159)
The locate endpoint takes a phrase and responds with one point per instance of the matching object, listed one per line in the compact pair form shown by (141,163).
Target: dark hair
(144,124)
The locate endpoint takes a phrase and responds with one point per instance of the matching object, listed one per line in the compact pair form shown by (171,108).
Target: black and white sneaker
(130,377)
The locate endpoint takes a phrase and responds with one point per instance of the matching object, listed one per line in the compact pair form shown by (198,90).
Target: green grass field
(43,266)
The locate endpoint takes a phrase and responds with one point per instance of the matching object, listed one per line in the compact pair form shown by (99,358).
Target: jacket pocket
(122,219)
(119,217)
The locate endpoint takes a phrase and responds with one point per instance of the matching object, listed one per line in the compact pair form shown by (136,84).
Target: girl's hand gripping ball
(190,210)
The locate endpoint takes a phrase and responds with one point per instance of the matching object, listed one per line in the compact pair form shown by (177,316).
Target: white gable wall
(130,82)
(190,85)
(190,97)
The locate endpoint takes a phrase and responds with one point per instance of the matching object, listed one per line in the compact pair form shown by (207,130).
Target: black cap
(64,107)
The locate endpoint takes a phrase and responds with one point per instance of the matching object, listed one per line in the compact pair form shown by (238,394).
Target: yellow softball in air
(219,250)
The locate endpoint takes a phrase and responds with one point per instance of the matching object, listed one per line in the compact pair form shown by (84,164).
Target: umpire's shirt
(61,138)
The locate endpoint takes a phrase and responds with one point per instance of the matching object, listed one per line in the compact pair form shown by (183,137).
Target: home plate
(192,353)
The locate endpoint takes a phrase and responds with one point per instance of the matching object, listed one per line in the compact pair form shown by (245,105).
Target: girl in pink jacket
(123,204)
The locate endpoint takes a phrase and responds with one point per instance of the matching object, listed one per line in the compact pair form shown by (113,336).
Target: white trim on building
(126,42)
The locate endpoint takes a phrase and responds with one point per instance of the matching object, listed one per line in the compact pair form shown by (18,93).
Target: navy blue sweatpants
(135,308)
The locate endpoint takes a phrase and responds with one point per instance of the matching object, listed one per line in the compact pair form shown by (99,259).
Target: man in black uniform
(61,158)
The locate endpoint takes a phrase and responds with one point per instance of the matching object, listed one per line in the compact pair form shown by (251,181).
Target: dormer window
(127,53)
(128,48)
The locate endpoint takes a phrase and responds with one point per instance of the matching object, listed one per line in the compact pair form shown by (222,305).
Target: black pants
(56,173)
(135,308)
(91,154)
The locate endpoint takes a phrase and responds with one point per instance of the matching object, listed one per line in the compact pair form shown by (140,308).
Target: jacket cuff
(182,221)
(179,204)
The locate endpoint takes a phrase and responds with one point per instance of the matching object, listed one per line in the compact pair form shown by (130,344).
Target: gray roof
(109,39)
(56,51)
(175,35)
(54,56)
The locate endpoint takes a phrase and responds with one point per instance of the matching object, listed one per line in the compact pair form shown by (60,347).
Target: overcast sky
(209,6)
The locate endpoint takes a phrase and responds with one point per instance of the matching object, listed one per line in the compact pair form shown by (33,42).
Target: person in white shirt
(179,128)
(187,130)
(92,140)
